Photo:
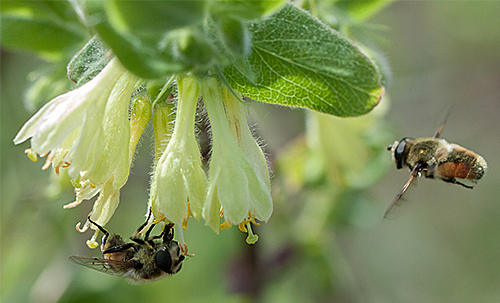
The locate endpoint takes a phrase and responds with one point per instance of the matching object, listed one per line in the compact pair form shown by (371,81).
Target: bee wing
(397,200)
(107,266)
(438,132)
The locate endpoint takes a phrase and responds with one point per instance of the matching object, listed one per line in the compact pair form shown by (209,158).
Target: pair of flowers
(94,130)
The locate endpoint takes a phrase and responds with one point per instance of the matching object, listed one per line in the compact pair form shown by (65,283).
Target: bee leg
(149,239)
(168,235)
(104,231)
(454,181)
(429,170)
(143,225)
(464,185)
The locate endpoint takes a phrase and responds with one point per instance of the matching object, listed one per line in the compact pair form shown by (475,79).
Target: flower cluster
(93,132)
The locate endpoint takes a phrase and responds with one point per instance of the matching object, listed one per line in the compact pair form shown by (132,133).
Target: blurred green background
(446,248)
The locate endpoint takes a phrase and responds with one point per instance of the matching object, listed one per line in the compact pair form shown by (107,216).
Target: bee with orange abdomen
(436,158)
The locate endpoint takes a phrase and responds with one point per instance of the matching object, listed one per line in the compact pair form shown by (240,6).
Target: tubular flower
(179,182)
(88,131)
(238,185)
(109,197)
(82,118)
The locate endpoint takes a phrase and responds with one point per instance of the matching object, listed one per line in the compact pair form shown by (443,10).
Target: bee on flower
(94,130)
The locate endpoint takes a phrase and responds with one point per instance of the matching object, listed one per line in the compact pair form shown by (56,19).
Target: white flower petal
(105,205)
(179,177)
(113,149)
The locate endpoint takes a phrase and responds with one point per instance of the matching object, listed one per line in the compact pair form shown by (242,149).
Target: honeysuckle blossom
(179,182)
(84,111)
(109,197)
(238,178)
(88,131)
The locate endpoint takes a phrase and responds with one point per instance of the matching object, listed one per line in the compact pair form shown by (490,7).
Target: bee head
(398,149)
(169,258)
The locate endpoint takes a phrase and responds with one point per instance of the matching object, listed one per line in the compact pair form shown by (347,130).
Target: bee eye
(399,154)
(164,260)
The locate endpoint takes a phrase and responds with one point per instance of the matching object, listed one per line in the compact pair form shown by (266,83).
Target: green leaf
(245,9)
(153,17)
(144,56)
(41,27)
(88,62)
(361,9)
(298,61)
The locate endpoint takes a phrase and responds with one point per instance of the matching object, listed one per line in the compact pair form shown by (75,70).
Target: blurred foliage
(325,241)
(306,65)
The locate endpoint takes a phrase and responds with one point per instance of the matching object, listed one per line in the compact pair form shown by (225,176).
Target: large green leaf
(150,53)
(153,17)
(46,28)
(298,61)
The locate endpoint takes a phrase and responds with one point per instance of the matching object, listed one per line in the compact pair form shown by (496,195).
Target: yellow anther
(242,226)
(161,219)
(185,223)
(225,225)
(31,154)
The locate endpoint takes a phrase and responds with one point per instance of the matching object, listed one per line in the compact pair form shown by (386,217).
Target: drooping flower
(83,114)
(88,130)
(109,196)
(179,182)
(238,177)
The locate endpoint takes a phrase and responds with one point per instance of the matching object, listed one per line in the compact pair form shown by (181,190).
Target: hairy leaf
(298,61)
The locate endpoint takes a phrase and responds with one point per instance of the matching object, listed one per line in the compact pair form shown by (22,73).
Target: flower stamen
(84,228)
(31,154)
(92,243)
(48,161)
(161,219)
(73,204)
(225,225)
(184,250)
(190,214)
(252,238)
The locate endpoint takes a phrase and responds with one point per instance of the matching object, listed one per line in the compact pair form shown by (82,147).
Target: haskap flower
(88,131)
(109,197)
(238,187)
(179,183)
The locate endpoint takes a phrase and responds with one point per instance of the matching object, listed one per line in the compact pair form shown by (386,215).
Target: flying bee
(141,261)
(436,158)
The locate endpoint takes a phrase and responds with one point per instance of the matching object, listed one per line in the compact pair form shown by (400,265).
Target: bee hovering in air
(141,261)
(436,158)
